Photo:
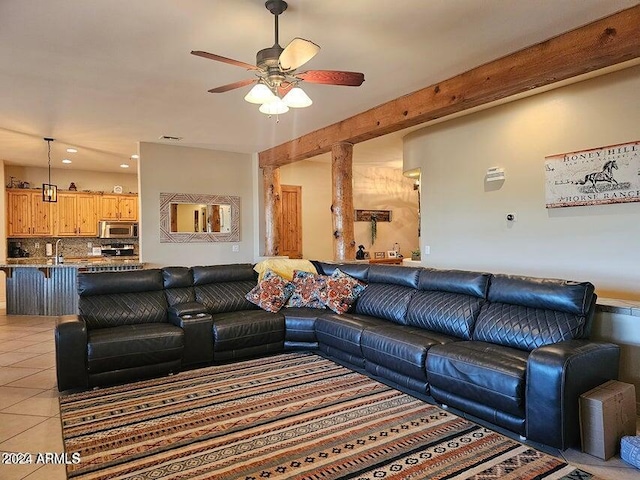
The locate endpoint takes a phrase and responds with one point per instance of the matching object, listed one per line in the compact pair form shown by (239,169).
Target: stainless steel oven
(110,229)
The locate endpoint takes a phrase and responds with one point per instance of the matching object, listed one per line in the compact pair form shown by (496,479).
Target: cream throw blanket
(283,267)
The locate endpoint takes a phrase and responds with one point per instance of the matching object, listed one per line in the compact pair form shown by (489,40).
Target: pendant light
(49,191)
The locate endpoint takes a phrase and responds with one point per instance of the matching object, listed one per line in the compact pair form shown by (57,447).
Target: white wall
(84,179)
(463,220)
(315,180)
(622,329)
(374,188)
(175,169)
(382,188)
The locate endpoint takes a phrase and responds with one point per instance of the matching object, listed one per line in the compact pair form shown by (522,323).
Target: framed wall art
(597,176)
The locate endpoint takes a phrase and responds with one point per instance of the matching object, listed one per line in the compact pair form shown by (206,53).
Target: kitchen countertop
(44,262)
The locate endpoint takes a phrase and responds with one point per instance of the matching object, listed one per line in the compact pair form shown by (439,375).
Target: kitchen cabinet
(28,215)
(77,215)
(119,207)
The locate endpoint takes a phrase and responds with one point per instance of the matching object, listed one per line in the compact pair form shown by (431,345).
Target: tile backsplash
(70,246)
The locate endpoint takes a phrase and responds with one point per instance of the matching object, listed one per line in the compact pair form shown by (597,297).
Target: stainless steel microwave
(109,229)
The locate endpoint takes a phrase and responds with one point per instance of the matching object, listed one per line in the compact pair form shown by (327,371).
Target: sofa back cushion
(562,295)
(178,285)
(386,301)
(388,292)
(110,299)
(448,301)
(443,312)
(223,288)
(527,313)
(359,271)
(465,282)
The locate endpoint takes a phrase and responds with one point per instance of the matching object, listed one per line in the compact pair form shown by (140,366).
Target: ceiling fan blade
(332,77)
(233,86)
(297,53)
(218,58)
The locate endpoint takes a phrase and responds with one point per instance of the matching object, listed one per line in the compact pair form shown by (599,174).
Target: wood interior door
(291,227)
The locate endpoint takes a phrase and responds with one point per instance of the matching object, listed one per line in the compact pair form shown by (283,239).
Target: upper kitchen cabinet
(28,215)
(119,207)
(77,215)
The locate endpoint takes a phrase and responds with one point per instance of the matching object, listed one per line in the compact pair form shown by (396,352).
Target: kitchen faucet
(57,257)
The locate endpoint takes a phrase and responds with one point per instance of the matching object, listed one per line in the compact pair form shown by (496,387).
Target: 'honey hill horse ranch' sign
(593,177)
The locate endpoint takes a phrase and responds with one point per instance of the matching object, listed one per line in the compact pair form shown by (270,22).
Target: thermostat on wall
(117,189)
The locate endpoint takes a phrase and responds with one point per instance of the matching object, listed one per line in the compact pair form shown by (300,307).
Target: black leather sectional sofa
(513,351)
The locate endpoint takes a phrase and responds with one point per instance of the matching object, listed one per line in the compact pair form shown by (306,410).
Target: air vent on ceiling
(170,138)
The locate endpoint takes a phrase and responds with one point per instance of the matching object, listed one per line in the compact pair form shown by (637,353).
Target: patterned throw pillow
(271,293)
(341,292)
(308,288)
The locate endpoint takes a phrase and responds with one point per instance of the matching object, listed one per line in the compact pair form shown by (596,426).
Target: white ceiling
(102,75)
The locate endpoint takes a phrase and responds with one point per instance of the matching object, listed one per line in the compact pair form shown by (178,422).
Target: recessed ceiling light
(66,160)
(136,156)
(124,165)
(72,150)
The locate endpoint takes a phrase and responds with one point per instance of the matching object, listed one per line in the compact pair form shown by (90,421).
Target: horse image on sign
(605,175)
(591,177)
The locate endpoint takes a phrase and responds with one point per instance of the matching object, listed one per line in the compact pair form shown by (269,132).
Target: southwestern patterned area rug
(294,416)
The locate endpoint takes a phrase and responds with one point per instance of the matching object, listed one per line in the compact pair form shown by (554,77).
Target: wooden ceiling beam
(603,43)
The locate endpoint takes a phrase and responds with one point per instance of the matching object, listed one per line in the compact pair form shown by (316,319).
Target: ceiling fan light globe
(276,107)
(260,94)
(297,98)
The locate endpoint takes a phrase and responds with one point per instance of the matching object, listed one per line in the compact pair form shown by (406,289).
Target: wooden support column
(344,244)
(272,210)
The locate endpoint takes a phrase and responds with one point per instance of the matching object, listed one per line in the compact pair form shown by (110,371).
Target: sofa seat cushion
(344,331)
(246,328)
(491,374)
(400,349)
(130,346)
(300,324)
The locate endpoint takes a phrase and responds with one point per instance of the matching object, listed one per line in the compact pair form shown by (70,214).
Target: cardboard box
(607,413)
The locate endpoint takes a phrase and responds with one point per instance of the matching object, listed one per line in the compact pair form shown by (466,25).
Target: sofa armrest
(197,325)
(71,352)
(556,377)
(189,308)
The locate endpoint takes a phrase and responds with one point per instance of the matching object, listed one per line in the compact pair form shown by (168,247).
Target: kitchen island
(36,286)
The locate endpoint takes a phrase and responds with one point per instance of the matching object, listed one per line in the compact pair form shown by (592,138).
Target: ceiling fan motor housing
(276,6)
(269,57)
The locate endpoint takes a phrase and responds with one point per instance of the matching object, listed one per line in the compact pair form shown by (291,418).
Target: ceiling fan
(276,83)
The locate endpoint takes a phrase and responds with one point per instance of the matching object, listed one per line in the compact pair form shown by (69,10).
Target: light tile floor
(30,417)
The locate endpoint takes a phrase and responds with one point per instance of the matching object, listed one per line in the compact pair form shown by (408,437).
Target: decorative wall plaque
(592,177)
(368,215)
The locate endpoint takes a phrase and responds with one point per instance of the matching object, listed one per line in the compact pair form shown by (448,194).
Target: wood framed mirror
(193,217)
